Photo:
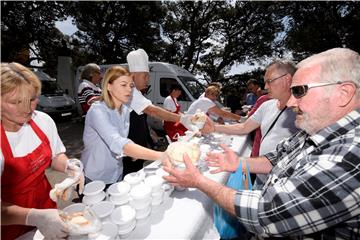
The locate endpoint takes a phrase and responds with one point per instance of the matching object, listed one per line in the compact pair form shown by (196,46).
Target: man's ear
(346,93)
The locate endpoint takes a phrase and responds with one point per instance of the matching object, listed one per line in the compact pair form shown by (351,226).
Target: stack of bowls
(103,210)
(141,200)
(155,182)
(94,192)
(134,178)
(109,231)
(119,193)
(124,218)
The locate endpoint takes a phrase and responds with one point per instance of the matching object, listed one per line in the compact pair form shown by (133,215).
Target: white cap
(138,61)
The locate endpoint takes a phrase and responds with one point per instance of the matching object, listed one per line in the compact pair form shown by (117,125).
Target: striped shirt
(313,190)
(87,91)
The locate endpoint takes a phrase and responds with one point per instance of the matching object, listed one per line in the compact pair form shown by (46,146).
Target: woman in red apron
(24,186)
(173,129)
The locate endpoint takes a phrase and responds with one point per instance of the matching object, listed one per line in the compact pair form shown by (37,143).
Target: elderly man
(275,120)
(313,190)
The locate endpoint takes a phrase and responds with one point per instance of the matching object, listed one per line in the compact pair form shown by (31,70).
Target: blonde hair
(212,90)
(110,76)
(16,77)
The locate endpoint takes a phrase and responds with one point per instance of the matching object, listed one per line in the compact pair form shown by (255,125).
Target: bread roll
(176,151)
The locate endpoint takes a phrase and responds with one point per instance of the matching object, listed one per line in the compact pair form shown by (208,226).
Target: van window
(165,85)
(195,88)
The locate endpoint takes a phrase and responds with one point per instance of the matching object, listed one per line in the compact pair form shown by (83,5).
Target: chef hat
(138,61)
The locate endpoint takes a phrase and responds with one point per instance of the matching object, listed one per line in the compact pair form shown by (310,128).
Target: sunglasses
(301,90)
(271,80)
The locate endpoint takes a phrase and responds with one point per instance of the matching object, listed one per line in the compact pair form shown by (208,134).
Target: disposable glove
(48,222)
(75,169)
(185,119)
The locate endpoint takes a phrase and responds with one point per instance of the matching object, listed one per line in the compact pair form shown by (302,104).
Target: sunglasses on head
(301,90)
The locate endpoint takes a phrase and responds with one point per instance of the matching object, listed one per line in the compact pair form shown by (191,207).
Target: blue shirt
(105,135)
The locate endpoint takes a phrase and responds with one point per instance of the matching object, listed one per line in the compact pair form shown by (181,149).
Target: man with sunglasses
(313,189)
(275,121)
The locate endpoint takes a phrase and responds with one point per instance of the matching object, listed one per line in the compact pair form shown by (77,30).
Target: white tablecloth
(189,213)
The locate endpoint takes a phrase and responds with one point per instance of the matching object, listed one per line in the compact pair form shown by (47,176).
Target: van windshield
(193,85)
(51,88)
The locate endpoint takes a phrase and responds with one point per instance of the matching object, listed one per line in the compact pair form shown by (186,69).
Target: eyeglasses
(301,90)
(271,80)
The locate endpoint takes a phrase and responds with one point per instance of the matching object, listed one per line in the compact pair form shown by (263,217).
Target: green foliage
(318,26)
(31,24)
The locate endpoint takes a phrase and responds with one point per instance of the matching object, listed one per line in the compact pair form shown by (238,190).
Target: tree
(109,30)
(31,25)
(318,26)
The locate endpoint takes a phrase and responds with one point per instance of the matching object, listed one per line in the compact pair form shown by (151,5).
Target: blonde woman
(29,144)
(107,128)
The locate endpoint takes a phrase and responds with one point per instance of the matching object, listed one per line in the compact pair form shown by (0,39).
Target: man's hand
(189,177)
(227,161)
(209,126)
(48,222)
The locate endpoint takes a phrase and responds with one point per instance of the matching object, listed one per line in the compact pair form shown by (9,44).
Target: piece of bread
(176,151)
(199,117)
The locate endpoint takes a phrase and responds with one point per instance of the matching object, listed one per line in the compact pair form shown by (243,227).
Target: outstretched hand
(226,161)
(209,126)
(189,177)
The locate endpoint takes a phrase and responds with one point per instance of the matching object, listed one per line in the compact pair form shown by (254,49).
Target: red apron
(23,181)
(172,128)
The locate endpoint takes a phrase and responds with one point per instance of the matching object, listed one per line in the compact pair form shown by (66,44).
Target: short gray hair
(88,70)
(337,64)
(283,66)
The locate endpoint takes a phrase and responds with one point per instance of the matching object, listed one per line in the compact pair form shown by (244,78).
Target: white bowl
(157,195)
(119,201)
(155,182)
(90,200)
(140,192)
(156,202)
(123,215)
(76,207)
(134,178)
(161,172)
(94,188)
(119,189)
(123,232)
(143,213)
(103,209)
(109,231)
(140,203)
(168,189)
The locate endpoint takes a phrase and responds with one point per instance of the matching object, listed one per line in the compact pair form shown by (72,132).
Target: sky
(66,27)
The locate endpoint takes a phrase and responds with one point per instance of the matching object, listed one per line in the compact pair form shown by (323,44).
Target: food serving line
(186,213)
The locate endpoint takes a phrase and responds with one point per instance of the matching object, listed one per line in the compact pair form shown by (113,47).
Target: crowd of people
(305,152)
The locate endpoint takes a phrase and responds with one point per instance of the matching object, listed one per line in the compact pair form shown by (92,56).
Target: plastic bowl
(94,188)
(103,209)
(123,215)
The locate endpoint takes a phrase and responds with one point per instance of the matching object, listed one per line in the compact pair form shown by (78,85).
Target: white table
(189,213)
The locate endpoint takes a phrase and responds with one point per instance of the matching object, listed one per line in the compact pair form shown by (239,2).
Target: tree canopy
(205,37)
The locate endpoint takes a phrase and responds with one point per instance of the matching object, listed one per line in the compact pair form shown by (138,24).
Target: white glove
(48,222)
(75,169)
(185,119)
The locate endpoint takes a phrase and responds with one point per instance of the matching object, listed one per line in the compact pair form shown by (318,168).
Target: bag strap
(273,123)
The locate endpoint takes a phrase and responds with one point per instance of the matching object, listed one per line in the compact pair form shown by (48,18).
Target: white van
(162,77)
(53,99)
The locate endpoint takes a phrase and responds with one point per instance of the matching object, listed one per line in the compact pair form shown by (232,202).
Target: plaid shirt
(313,190)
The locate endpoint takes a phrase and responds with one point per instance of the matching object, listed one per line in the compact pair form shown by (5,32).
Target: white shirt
(138,102)
(202,103)
(169,104)
(26,141)
(105,135)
